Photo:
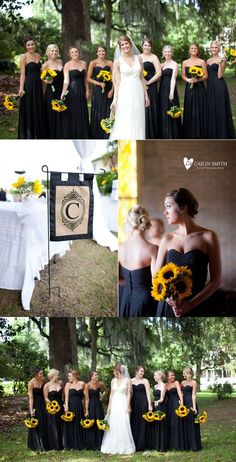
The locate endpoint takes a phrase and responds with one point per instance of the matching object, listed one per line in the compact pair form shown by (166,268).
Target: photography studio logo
(204,165)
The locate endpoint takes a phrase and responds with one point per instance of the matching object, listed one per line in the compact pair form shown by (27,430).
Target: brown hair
(148,40)
(91,374)
(70,48)
(101,46)
(196,45)
(184,197)
(137,368)
(29,39)
(74,373)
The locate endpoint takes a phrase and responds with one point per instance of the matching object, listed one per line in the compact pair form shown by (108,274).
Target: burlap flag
(71,207)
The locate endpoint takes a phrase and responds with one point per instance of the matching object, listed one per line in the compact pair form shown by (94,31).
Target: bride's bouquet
(195,72)
(107,124)
(175,112)
(172,281)
(102,424)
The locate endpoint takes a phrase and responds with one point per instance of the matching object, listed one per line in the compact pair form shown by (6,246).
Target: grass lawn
(218,440)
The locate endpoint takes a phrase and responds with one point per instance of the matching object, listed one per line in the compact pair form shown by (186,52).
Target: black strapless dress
(136,298)
(100,105)
(152,113)
(95,409)
(194,119)
(197,261)
(54,119)
(76,120)
(55,422)
(219,116)
(139,426)
(192,430)
(31,110)
(73,433)
(158,429)
(175,425)
(38,436)
(170,127)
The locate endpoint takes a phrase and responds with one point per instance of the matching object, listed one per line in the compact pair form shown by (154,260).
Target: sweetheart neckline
(143,267)
(192,250)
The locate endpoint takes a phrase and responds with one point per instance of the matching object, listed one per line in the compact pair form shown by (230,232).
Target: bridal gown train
(118,439)
(130,108)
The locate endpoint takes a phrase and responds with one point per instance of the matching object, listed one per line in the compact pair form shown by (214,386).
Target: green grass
(218,440)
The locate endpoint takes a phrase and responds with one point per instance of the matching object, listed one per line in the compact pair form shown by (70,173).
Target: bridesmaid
(175,424)
(53,91)
(151,65)
(73,433)
(189,387)
(140,404)
(168,95)
(95,391)
(37,437)
(158,430)
(101,93)
(76,115)
(53,391)
(194,120)
(219,116)
(31,114)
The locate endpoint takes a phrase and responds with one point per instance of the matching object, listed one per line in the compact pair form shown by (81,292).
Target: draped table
(24,246)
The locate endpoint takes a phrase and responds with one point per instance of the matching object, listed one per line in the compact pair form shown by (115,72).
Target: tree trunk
(62,343)
(108,21)
(198,372)
(75,24)
(94,338)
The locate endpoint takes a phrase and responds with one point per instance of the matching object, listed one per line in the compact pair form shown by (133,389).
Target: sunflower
(48,75)
(158,290)
(159,415)
(168,272)
(193,69)
(86,423)
(102,424)
(199,72)
(182,411)
(107,124)
(68,416)
(232,52)
(53,407)
(183,288)
(37,187)
(184,270)
(31,423)
(149,416)
(145,73)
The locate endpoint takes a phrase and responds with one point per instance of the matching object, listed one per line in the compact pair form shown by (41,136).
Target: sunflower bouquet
(159,415)
(182,411)
(31,422)
(68,416)
(48,75)
(102,424)
(10,102)
(175,112)
(149,416)
(230,54)
(106,76)
(53,407)
(195,72)
(172,281)
(107,124)
(201,418)
(87,423)
(58,105)
(26,188)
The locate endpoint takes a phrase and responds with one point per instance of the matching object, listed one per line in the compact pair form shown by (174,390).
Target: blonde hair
(161,373)
(138,218)
(164,49)
(49,48)
(51,373)
(188,370)
(124,38)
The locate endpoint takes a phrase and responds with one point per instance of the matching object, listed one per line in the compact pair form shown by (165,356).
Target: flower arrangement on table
(172,281)
(48,75)
(31,422)
(102,424)
(58,105)
(87,423)
(68,416)
(182,411)
(106,76)
(53,407)
(195,72)
(10,102)
(201,418)
(26,188)
(104,181)
(230,54)
(175,112)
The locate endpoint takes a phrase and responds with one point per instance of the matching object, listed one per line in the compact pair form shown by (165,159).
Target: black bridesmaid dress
(192,430)
(194,119)
(152,113)
(31,109)
(100,105)
(54,119)
(76,120)
(73,433)
(38,436)
(136,298)
(219,116)
(158,429)
(170,127)
(55,422)
(139,426)
(175,424)
(197,261)
(95,410)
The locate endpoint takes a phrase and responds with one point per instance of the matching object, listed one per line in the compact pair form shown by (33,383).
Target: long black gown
(219,116)
(31,109)
(100,105)
(152,113)
(54,119)
(55,422)
(194,119)
(73,433)
(170,127)
(136,298)
(192,430)
(175,424)
(139,426)
(158,429)
(197,261)
(76,120)
(38,436)
(95,410)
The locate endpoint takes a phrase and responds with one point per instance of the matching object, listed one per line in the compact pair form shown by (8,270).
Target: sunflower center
(168,274)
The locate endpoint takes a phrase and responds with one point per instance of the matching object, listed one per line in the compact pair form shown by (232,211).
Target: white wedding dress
(130,107)
(118,439)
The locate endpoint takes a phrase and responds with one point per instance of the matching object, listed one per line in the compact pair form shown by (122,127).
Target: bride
(118,439)
(130,95)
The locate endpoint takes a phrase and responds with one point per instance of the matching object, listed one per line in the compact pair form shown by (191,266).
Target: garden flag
(71,207)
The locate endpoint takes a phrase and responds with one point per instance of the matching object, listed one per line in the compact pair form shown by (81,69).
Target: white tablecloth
(23,246)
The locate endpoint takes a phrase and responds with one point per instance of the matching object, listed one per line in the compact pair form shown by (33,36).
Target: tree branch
(58,9)
(38,323)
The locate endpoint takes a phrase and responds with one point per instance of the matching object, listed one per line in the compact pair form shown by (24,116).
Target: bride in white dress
(130,93)
(118,439)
